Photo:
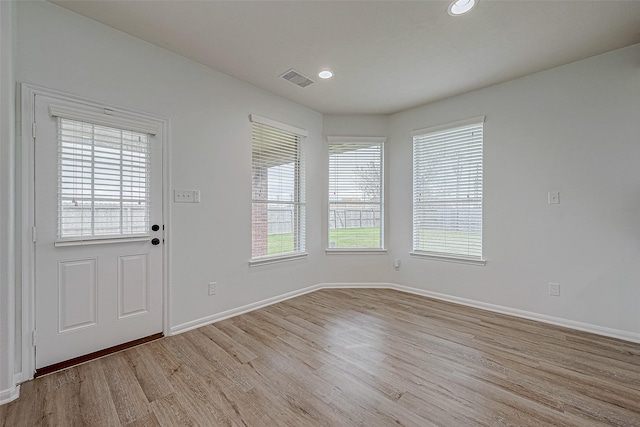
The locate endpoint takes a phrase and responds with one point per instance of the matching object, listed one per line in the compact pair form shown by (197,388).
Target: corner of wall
(9,390)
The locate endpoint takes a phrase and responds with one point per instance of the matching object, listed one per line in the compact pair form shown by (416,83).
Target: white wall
(355,125)
(573,129)
(8,390)
(211,149)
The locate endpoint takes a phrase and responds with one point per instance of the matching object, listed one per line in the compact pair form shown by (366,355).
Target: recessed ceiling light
(458,7)
(325,74)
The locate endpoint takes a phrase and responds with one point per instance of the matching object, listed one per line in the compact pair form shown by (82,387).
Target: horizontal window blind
(355,195)
(278,199)
(447,191)
(103,181)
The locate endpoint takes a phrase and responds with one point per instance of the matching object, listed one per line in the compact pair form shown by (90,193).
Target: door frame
(25,108)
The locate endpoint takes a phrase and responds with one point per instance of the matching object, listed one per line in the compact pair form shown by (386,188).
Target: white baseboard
(203,321)
(10,395)
(356,286)
(558,321)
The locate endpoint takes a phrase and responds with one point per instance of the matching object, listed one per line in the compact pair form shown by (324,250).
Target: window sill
(276,259)
(100,241)
(355,251)
(449,258)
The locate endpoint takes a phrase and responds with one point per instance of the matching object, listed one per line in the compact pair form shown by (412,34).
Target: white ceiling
(387,55)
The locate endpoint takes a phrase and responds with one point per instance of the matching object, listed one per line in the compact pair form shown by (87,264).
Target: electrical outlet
(212,288)
(396,264)
(554,289)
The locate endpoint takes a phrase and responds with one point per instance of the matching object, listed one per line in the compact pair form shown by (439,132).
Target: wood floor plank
(96,405)
(150,420)
(145,370)
(218,359)
(62,398)
(228,389)
(127,395)
(192,391)
(234,349)
(169,412)
(350,357)
(385,411)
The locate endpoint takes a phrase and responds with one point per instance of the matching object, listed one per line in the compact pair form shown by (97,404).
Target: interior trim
(449,258)
(277,258)
(460,123)
(105,118)
(362,139)
(355,251)
(254,118)
(571,324)
(9,395)
(100,241)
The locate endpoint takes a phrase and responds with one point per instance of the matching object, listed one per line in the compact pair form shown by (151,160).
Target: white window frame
(446,256)
(300,202)
(365,141)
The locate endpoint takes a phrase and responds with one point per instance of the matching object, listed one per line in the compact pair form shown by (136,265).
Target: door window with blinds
(356,176)
(447,190)
(103,181)
(278,189)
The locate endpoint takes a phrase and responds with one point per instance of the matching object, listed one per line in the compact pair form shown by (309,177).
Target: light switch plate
(554,289)
(186,196)
(554,197)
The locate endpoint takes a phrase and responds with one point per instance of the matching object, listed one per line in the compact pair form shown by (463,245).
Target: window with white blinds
(278,190)
(103,181)
(355,194)
(447,190)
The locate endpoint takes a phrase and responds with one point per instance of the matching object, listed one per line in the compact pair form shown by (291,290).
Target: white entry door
(98,229)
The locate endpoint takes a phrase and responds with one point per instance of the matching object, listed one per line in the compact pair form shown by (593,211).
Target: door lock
(155,241)
(155,227)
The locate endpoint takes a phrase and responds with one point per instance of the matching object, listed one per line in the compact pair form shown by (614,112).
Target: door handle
(155,241)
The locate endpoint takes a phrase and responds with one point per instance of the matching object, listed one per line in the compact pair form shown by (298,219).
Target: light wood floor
(350,357)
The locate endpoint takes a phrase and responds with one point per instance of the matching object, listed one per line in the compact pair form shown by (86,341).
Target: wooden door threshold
(95,355)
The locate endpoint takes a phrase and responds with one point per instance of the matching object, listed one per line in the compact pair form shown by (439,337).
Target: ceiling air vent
(296,78)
